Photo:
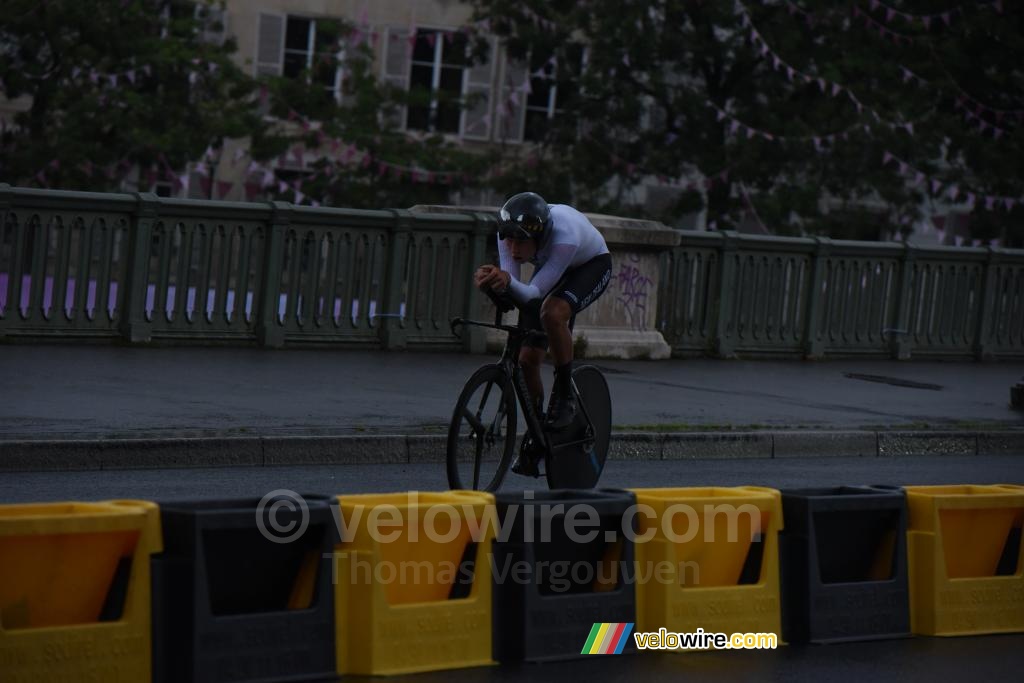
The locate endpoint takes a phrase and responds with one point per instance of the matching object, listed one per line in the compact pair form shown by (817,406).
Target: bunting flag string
(820,141)
(835,89)
(924,20)
(826,86)
(927,20)
(972,108)
(952,191)
(883,30)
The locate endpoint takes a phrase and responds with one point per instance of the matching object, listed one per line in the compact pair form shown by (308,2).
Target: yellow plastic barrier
(712,561)
(965,559)
(405,600)
(75,591)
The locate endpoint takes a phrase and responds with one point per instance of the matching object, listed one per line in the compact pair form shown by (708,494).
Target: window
(532,98)
(436,75)
(300,47)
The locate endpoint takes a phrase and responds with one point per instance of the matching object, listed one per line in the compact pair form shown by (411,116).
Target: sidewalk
(75,407)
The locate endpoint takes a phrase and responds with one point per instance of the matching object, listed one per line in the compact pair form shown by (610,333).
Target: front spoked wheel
(482,434)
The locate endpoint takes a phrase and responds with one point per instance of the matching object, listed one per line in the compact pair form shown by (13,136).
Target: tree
(116,85)
(841,120)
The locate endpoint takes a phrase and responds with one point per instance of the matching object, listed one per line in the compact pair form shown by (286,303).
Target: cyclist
(572,268)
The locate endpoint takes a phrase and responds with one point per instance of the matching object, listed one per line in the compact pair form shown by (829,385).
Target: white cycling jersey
(573,240)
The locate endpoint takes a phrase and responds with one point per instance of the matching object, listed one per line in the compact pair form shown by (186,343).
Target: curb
(270,451)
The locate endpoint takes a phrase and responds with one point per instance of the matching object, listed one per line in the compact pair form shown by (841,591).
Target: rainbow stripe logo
(607,639)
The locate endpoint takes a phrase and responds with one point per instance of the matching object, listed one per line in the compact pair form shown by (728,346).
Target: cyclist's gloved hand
(491,277)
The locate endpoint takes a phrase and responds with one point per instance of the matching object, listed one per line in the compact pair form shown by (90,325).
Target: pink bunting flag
(817,143)
(997,132)
(890,14)
(953,191)
(205,185)
(268,178)
(935,186)
(919,178)
(734,125)
(903,168)
(823,85)
(875,4)
(1010,203)
(970,197)
(282,186)
(990,203)
(776,62)
(789,73)
(836,89)
(297,154)
(720,115)
(927,21)
(299,197)
(946,17)
(223,188)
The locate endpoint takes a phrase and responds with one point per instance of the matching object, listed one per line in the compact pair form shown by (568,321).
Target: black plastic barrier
(551,588)
(843,567)
(240,596)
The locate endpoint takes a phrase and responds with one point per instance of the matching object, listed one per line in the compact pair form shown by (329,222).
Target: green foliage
(686,61)
(113,84)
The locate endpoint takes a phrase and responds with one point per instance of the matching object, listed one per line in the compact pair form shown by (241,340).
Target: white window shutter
(214,21)
(270,45)
(479,89)
(511,112)
(397,56)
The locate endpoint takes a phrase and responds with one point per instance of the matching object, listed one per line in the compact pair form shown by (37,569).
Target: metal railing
(140,268)
(727,294)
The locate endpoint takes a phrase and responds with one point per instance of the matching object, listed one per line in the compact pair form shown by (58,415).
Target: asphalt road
(53,392)
(256,481)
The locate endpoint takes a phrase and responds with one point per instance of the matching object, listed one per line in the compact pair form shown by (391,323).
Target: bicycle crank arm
(570,443)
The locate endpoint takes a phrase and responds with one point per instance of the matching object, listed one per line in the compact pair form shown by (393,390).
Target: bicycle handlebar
(502,302)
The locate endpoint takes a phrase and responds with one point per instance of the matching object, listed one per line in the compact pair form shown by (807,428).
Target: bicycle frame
(509,362)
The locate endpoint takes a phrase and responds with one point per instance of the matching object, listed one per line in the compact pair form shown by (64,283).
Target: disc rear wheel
(578,453)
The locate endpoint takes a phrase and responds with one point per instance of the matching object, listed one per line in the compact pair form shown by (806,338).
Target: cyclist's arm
(545,278)
(506,262)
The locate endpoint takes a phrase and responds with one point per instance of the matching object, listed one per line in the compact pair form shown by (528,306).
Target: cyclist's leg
(531,355)
(578,289)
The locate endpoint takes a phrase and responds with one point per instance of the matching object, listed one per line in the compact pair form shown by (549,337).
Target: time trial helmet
(524,216)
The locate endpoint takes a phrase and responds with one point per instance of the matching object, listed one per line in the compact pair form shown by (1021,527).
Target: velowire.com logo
(607,639)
